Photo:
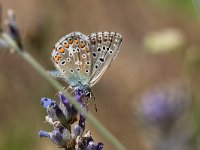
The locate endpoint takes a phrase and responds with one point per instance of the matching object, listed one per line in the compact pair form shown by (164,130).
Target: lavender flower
(164,109)
(62,117)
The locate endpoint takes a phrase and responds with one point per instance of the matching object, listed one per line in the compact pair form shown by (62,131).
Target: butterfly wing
(71,56)
(104,47)
(56,74)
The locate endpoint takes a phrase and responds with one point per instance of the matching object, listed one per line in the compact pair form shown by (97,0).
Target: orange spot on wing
(57,58)
(70,41)
(76,41)
(66,45)
(82,45)
(87,49)
(61,50)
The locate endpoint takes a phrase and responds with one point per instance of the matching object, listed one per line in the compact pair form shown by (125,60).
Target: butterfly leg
(89,101)
(72,90)
(59,92)
(95,105)
(69,88)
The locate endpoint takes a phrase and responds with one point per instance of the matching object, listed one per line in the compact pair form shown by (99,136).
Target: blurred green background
(42,23)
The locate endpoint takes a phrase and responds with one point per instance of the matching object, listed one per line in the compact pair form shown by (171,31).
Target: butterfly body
(81,60)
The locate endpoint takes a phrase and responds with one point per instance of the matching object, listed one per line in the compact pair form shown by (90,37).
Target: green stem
(28,58)
(196,4)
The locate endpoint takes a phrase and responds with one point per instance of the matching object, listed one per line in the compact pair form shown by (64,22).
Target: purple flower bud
(43,133)
(47,102)
(80,143)
(81,122)
(13,29)
(56,137)
(79,95)
(99,146)
(93,146)
(68,109)
(62,138)
(77,131)
(79,128)
(63,99)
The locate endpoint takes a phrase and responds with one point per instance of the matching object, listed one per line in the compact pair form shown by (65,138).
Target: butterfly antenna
(69,87)
(95,105)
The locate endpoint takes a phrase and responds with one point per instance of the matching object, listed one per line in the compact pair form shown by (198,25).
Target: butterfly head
(84,91)
(88,94)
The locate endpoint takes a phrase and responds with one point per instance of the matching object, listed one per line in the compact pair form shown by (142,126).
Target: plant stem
(96,123)
(196,4)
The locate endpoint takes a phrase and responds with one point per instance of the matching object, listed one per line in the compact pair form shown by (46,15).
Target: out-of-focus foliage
(164,41)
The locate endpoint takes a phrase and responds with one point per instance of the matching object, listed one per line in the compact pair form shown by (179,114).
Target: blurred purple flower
(162,107)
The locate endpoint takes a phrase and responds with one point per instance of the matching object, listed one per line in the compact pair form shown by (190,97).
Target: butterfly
(81,60)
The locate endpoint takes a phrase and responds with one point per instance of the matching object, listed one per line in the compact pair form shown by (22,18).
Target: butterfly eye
(70,40)
(88,94)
